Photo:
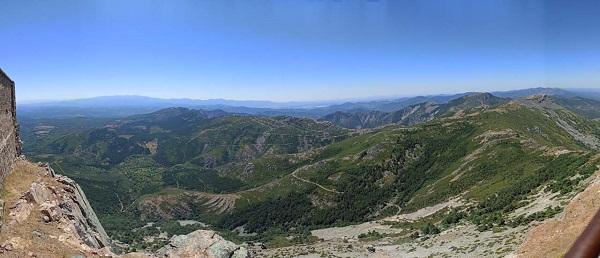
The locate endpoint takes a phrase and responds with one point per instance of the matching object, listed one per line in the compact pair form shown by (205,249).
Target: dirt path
(425,211)
(221,128)
(310,182)
(397,207)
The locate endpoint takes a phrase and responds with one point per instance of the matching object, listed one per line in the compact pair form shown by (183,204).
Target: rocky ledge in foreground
(47,215)
(43,208)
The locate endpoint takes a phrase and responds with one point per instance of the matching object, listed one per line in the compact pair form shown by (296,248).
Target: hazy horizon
(296,50)
(331,99)
(318,101)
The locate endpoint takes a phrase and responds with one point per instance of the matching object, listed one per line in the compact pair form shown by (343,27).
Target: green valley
(276,177)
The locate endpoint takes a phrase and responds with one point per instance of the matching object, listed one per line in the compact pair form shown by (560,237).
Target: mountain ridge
(251,176)
(131,105)
(413,114)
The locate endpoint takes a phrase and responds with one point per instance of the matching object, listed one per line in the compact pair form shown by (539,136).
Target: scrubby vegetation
(293,175)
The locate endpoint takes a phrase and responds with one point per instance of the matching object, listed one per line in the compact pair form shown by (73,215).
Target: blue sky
(296,50)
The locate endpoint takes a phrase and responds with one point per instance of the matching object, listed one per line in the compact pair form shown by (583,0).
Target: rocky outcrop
(198,244)
(86,222)
(202,243)
(10,145)
(49,215)
(55,201)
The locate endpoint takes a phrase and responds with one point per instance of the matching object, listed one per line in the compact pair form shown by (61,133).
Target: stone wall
(10,145)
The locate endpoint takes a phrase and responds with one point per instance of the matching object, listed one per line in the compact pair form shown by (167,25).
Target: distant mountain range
(287,174)
(122,106)
(412,114)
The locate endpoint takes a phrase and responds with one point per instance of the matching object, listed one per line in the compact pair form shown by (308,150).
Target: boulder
(202,243)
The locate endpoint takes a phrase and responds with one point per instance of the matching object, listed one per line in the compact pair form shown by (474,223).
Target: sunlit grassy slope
(281,173)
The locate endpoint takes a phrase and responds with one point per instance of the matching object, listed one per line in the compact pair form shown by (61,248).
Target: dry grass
(20,179)
(27,244)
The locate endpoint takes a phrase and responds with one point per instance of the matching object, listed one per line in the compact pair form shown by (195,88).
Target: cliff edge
(44,214)
(10,145)
(47,214)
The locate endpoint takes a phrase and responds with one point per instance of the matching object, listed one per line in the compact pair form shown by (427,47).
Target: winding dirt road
(310,182)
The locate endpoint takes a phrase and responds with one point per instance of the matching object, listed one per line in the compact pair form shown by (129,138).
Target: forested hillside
(281,176)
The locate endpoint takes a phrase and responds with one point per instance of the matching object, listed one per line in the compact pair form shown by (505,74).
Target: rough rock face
(10,145)
(45,214)
(198,244)
(56,199)
(202,243)
(87,224)
(48,215)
